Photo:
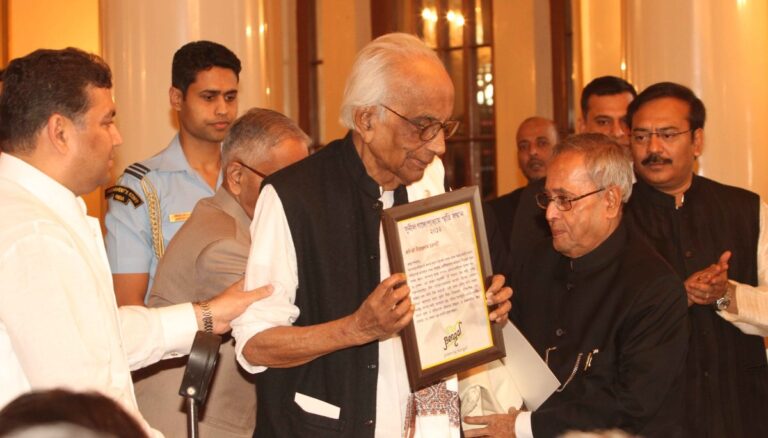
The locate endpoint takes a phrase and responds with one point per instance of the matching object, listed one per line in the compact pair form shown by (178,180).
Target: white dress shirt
(273,261)
(59,324)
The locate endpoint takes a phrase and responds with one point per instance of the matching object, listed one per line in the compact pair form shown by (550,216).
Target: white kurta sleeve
(153,334)
(272,260)
(752,318)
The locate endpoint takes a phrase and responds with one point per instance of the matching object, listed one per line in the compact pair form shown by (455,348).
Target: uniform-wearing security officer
(153,198)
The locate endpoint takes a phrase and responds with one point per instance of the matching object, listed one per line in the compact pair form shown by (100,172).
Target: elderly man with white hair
(599,305)
(326,343)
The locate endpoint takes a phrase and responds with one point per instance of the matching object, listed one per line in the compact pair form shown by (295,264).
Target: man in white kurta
(328,336)
(59,325)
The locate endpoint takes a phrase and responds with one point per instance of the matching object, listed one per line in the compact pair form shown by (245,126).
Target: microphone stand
(197,376)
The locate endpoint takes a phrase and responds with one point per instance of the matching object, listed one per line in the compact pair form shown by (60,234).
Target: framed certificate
(440,244)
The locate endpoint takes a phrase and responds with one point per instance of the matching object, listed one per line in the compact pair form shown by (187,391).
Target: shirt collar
(49,191)
(642,188)
(172,159)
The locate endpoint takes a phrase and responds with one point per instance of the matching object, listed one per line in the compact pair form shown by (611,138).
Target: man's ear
(613,201)
(233,174)
(176,97)
(365,120)
(698,142)
(56,129)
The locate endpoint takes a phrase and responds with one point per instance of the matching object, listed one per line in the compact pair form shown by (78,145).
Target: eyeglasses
(563,203)
(252,169)
(429,130)
(643,137)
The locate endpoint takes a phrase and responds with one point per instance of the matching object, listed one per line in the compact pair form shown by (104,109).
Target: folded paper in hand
(521,378)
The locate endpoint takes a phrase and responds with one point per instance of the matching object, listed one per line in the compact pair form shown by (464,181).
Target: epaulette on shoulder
(137,170)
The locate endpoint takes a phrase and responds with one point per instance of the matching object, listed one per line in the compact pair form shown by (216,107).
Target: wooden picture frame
(440,244)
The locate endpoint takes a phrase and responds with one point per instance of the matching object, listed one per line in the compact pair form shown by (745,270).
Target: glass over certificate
(441,246)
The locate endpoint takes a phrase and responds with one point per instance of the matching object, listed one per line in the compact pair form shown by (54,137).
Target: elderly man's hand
(708,285)
(496,425)
(498,294)
(385,312)
(229,304)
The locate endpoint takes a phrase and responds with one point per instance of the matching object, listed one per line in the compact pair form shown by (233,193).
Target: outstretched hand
(230,304)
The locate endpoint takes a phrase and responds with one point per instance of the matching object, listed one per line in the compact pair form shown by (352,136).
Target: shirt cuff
(523,425)
(752,308)
(179,327)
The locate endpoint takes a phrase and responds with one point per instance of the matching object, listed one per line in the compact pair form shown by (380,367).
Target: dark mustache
(655,158)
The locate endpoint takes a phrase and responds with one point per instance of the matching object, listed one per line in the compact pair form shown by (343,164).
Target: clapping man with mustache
(713,236)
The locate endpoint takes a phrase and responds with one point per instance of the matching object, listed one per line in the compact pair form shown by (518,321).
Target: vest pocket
(304,423)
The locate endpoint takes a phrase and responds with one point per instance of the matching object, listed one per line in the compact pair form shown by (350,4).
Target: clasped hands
(710,284)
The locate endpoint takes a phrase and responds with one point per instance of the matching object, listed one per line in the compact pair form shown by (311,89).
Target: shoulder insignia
(137,170)
(123,194)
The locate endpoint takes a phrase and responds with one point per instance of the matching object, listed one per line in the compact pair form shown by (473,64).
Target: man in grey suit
(209,252)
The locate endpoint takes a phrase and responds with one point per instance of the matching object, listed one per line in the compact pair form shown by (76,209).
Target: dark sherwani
(504,208)
(727,376)
(613,327)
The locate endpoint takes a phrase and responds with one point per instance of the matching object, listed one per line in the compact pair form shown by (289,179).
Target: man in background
(153,198)
(208,253)
(604,104)
(536,138)
(714,236)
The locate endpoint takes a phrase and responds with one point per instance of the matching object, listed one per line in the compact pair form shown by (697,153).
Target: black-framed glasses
(429,130)
(252,169)
(563,203)
(643,136)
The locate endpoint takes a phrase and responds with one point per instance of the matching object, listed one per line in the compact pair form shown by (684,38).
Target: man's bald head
(536,137)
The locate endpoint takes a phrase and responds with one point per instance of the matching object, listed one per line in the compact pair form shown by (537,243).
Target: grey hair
(608,163)
(255,132)
(376,65)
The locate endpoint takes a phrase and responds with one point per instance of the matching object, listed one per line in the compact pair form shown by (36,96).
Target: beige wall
(35,24)
(523,78)
(343,27)
(599,42)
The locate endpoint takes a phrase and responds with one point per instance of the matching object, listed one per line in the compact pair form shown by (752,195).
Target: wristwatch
(723,302)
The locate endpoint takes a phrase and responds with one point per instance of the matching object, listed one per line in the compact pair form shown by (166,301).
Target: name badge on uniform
(179,217)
